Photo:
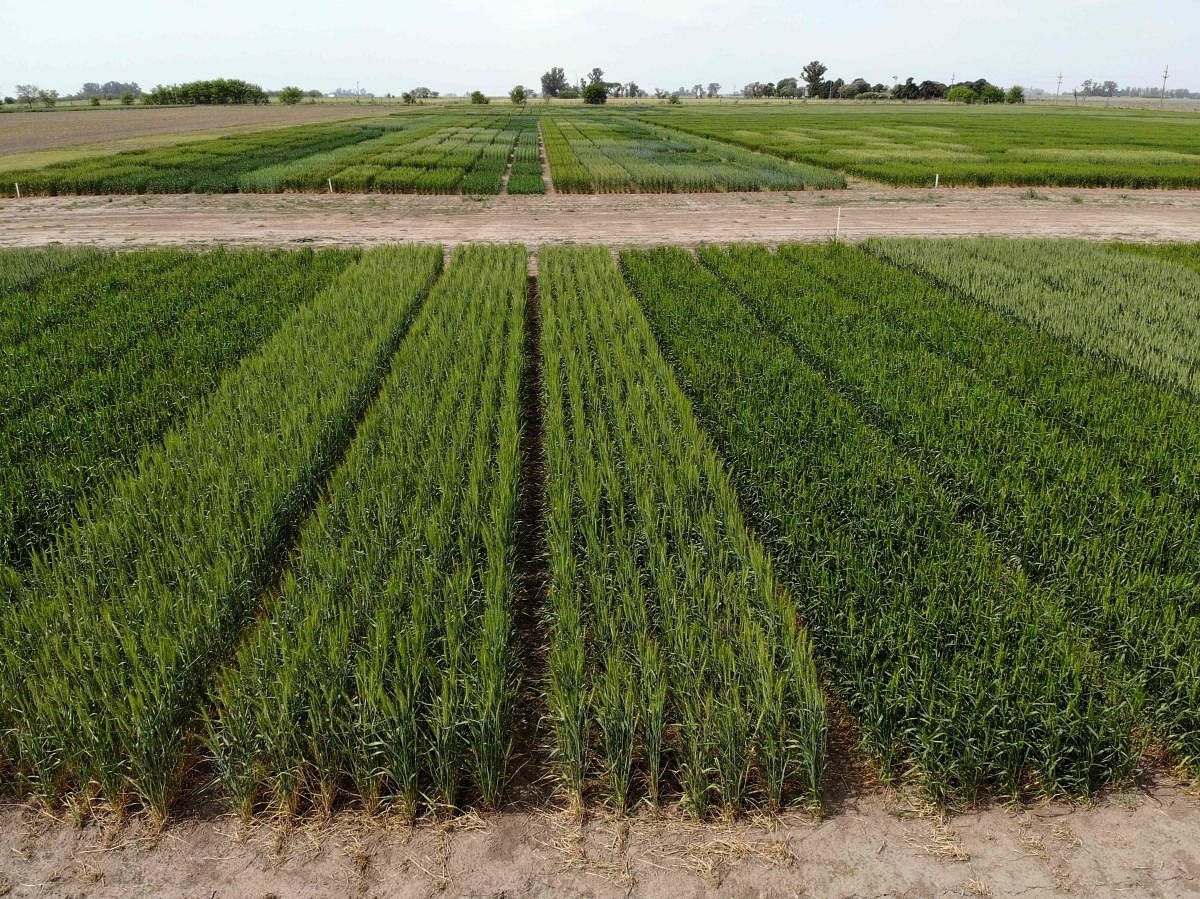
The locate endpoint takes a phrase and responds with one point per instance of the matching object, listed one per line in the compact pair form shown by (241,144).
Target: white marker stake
(937,179)
(18,187)
(838,234)
(330,180)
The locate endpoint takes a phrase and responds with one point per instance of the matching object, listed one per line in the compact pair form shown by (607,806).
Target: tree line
(812,84)
(211,91)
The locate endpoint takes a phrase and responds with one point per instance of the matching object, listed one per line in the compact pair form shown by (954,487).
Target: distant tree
(554,82)
(907,91)
(713,89)
(991,94)
(423,93)
(569,93)
(961,93)
(95,100)
(407,98)
(48,98)
(127,98)
(519,95)
(9,101)
(787,87)
(931,90)
(813,75)
(632,90)
(291,95)
(108,89)
(479,98)
(854,88)
(674,100)
(314,94)
(28,93)
(595,76)
(1016,94)
(595,93)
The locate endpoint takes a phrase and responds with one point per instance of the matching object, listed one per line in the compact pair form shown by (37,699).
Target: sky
(462,45)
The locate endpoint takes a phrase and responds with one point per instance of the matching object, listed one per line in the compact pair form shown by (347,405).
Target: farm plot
(962,674)
(611,153)
(525,176)
(1185,254)
(391,639)
(209,166)
(20,268)
(1134,309)
(101,358)
(108,647)
(439,157)
(266,523)
(964,146)
(413,153)
(677,661)
(1120,554)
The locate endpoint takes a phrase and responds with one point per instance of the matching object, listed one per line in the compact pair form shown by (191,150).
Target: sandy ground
(1144,843)
(619,220)
(26,132)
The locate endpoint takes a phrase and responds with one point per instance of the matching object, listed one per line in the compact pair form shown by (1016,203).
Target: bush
(479,97)
(1016,94)
(569,93)
(992,94)
(95,101)
(127,98)
(595,94)
(874,95)
(961,94)
(674,100)
(290,96)
(518,95)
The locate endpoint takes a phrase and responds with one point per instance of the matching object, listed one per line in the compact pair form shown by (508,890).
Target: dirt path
(619,220)
(1140,843)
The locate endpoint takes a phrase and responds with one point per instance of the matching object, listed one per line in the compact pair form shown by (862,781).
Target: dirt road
(619,220)
(1137,843)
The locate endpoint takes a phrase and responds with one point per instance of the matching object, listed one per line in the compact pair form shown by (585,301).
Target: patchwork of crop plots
(439,153)
(965,146)
(649,148)
(607,154)
(953,487)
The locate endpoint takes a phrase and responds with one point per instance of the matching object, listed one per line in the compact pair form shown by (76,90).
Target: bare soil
(27,132)
(615,219)
(1145,843)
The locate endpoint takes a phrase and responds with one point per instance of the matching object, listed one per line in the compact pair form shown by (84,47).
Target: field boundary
(620,220)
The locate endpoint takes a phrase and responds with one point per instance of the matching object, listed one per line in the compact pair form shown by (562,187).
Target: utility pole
(1058,92)
(1163,98)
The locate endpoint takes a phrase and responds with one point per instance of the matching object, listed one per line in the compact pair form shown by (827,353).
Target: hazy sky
(460,45)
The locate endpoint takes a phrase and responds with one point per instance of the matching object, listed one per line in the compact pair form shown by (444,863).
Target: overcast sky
(460,45)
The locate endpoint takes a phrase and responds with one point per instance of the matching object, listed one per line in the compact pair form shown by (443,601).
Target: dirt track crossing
(615,219)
